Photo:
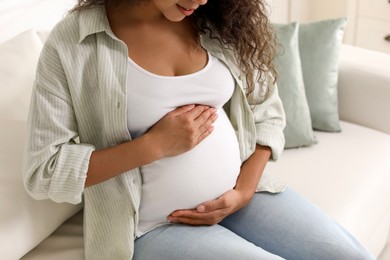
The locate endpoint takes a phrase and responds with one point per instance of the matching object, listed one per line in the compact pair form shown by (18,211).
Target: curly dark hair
(242,25)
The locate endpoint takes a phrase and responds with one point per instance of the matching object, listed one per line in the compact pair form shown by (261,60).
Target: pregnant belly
(187,180)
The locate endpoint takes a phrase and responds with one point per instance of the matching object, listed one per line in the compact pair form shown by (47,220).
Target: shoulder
(65,31)
(77,26)
(213,44)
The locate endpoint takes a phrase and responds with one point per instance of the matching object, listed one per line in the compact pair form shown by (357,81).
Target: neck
(144,13)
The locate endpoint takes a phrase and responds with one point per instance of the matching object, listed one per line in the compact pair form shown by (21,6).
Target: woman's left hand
(212,212)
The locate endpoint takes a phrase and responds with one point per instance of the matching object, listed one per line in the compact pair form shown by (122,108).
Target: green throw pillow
(319,45)
(298,131)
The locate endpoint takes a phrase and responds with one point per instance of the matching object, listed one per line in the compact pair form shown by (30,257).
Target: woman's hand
(182,129)
(212,212)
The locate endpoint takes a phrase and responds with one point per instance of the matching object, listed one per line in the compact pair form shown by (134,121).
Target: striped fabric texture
(79,105)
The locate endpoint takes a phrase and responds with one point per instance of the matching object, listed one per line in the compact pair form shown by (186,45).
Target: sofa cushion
(347,175)
(24,222)
(319,46)
(298,131)
(366,74)
(19,58)
(66,243)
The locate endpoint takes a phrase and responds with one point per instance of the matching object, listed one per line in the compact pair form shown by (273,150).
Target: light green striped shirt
(79,105)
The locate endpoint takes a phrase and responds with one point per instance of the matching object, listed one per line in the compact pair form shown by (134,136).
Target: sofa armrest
(364,88)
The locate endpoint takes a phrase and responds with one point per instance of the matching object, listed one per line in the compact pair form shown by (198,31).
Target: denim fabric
(271,226)
(175,241)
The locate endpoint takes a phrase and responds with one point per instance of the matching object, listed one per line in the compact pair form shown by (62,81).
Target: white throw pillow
(24,222)
(43,35)
(19,57)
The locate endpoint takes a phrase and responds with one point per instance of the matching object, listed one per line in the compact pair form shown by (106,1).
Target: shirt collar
(226,55)
(94,20)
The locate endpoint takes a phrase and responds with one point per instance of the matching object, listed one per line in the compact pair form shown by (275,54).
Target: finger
(190,221)
(206,133)
(212,205)
(197,111)
(181,110)
(189,214)
(204,126)
(205,119)
(195,218)
(183,212)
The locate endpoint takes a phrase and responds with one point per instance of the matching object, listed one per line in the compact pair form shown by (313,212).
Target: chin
(174,17)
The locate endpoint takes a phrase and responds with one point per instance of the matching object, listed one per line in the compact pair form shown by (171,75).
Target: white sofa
(346,174)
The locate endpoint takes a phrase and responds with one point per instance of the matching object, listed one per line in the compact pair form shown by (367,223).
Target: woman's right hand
(182,129)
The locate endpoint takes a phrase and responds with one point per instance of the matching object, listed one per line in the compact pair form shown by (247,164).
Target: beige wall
(312,10)
(284,11)
(279,12)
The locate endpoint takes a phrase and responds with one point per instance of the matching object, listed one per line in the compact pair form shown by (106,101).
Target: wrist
(155,150)
(246,194)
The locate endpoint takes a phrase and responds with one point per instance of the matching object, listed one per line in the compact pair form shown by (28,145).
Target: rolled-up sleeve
(269,116)
(55,164)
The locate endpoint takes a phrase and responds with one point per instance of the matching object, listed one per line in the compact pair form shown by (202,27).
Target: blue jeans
(271,226)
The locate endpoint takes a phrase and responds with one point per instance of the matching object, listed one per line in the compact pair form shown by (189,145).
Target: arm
(177,132)
(252,170)
(56,167)
(55,164)
(269,116)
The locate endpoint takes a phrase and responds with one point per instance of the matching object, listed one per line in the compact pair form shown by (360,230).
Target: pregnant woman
(162,115)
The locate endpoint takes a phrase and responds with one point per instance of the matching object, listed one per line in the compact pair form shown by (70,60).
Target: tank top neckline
(151,74)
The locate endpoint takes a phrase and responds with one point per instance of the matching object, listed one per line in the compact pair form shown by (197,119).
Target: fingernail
(172,220)
(201,208)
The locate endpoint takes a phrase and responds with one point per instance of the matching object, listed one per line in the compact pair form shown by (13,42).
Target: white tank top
(199,175)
